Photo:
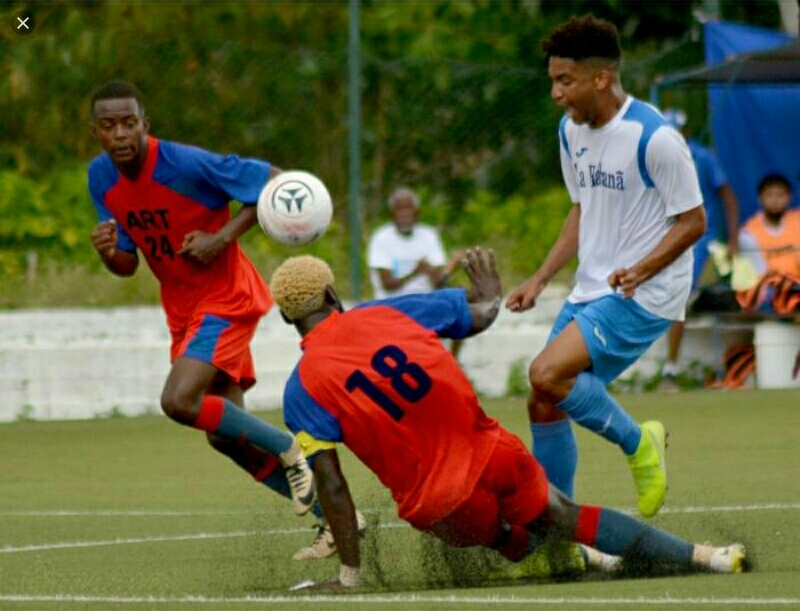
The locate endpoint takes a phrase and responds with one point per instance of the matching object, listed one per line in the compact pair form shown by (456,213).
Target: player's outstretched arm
(337,504)
(563,250)
(486,289)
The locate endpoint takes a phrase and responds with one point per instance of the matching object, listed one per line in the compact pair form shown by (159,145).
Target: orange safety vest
(779,246)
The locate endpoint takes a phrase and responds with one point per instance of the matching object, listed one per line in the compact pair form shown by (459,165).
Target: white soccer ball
(294,208)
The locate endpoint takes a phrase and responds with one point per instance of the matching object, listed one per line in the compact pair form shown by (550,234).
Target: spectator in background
(405,256)
(771,236)
(722,225)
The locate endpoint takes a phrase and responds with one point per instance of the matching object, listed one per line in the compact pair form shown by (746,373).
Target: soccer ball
(294,208)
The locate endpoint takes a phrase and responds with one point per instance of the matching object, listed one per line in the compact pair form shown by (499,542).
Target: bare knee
(180,407)
(545,382)
(546,393)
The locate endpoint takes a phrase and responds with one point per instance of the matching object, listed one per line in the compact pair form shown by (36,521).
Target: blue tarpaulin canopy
(753,81)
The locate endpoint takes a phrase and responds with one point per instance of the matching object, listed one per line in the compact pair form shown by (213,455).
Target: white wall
(73,363)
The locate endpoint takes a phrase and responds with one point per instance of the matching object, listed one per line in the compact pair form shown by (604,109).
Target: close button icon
(23,22)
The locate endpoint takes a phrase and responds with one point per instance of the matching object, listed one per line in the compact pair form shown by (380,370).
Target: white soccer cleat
(324,545)
(598,561)
(730,559)
(300,478)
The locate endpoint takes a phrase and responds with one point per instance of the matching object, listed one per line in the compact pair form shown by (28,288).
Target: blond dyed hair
(298,285)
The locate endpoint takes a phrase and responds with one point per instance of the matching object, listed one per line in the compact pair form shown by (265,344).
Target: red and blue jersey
(378,379)
(181,189)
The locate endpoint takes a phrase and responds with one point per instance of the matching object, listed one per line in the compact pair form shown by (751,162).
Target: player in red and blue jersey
(378,379)
(171,203)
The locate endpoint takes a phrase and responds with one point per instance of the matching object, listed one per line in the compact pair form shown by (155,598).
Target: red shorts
(513,489)
(223,343)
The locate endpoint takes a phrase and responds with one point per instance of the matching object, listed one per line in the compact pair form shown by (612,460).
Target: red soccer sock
(268,468)
(211,410)
(586,524)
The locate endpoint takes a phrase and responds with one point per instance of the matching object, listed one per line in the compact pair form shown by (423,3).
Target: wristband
(349,577)
(489,308)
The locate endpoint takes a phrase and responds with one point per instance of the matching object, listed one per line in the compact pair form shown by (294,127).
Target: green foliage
(52,216)
(521,229)
(454,94)
(517,384)
(454,102)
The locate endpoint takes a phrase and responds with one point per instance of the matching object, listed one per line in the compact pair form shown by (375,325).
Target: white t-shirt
(390,249)
(631,177)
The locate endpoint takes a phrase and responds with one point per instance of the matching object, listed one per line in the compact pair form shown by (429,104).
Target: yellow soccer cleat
(552,559)
(649,468)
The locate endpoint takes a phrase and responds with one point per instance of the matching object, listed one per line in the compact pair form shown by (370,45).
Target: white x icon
(23,22)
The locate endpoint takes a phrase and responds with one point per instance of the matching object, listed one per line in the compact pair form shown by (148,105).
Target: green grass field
(138,513)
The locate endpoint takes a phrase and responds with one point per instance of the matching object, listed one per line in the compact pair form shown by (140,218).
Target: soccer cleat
(730,559)
(599,561)
(324,545)
(552,559)
(300,478)
(649,468)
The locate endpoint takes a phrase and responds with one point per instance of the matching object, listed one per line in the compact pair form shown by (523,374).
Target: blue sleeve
(302,413)
(709,170)
(210,178)
(562,135)
(445,312)
(102,176)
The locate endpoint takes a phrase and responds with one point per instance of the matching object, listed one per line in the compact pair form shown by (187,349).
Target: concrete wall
(71,363)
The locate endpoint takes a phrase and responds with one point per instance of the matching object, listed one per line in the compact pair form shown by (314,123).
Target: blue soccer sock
(555,448)
(590,405)
(223,418)
(615,533)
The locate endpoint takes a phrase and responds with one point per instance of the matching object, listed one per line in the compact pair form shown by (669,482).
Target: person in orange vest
(772,235)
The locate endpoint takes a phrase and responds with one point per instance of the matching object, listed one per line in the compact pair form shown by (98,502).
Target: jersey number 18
(408,380)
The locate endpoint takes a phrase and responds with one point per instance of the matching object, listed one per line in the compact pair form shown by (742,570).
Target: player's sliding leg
(619,534)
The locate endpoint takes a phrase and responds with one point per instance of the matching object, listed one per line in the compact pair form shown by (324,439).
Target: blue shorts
(617,332)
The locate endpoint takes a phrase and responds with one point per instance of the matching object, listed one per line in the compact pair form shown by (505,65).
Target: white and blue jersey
(631,177)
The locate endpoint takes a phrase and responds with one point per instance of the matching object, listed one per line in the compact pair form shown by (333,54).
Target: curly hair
(298,285)
(582,38)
